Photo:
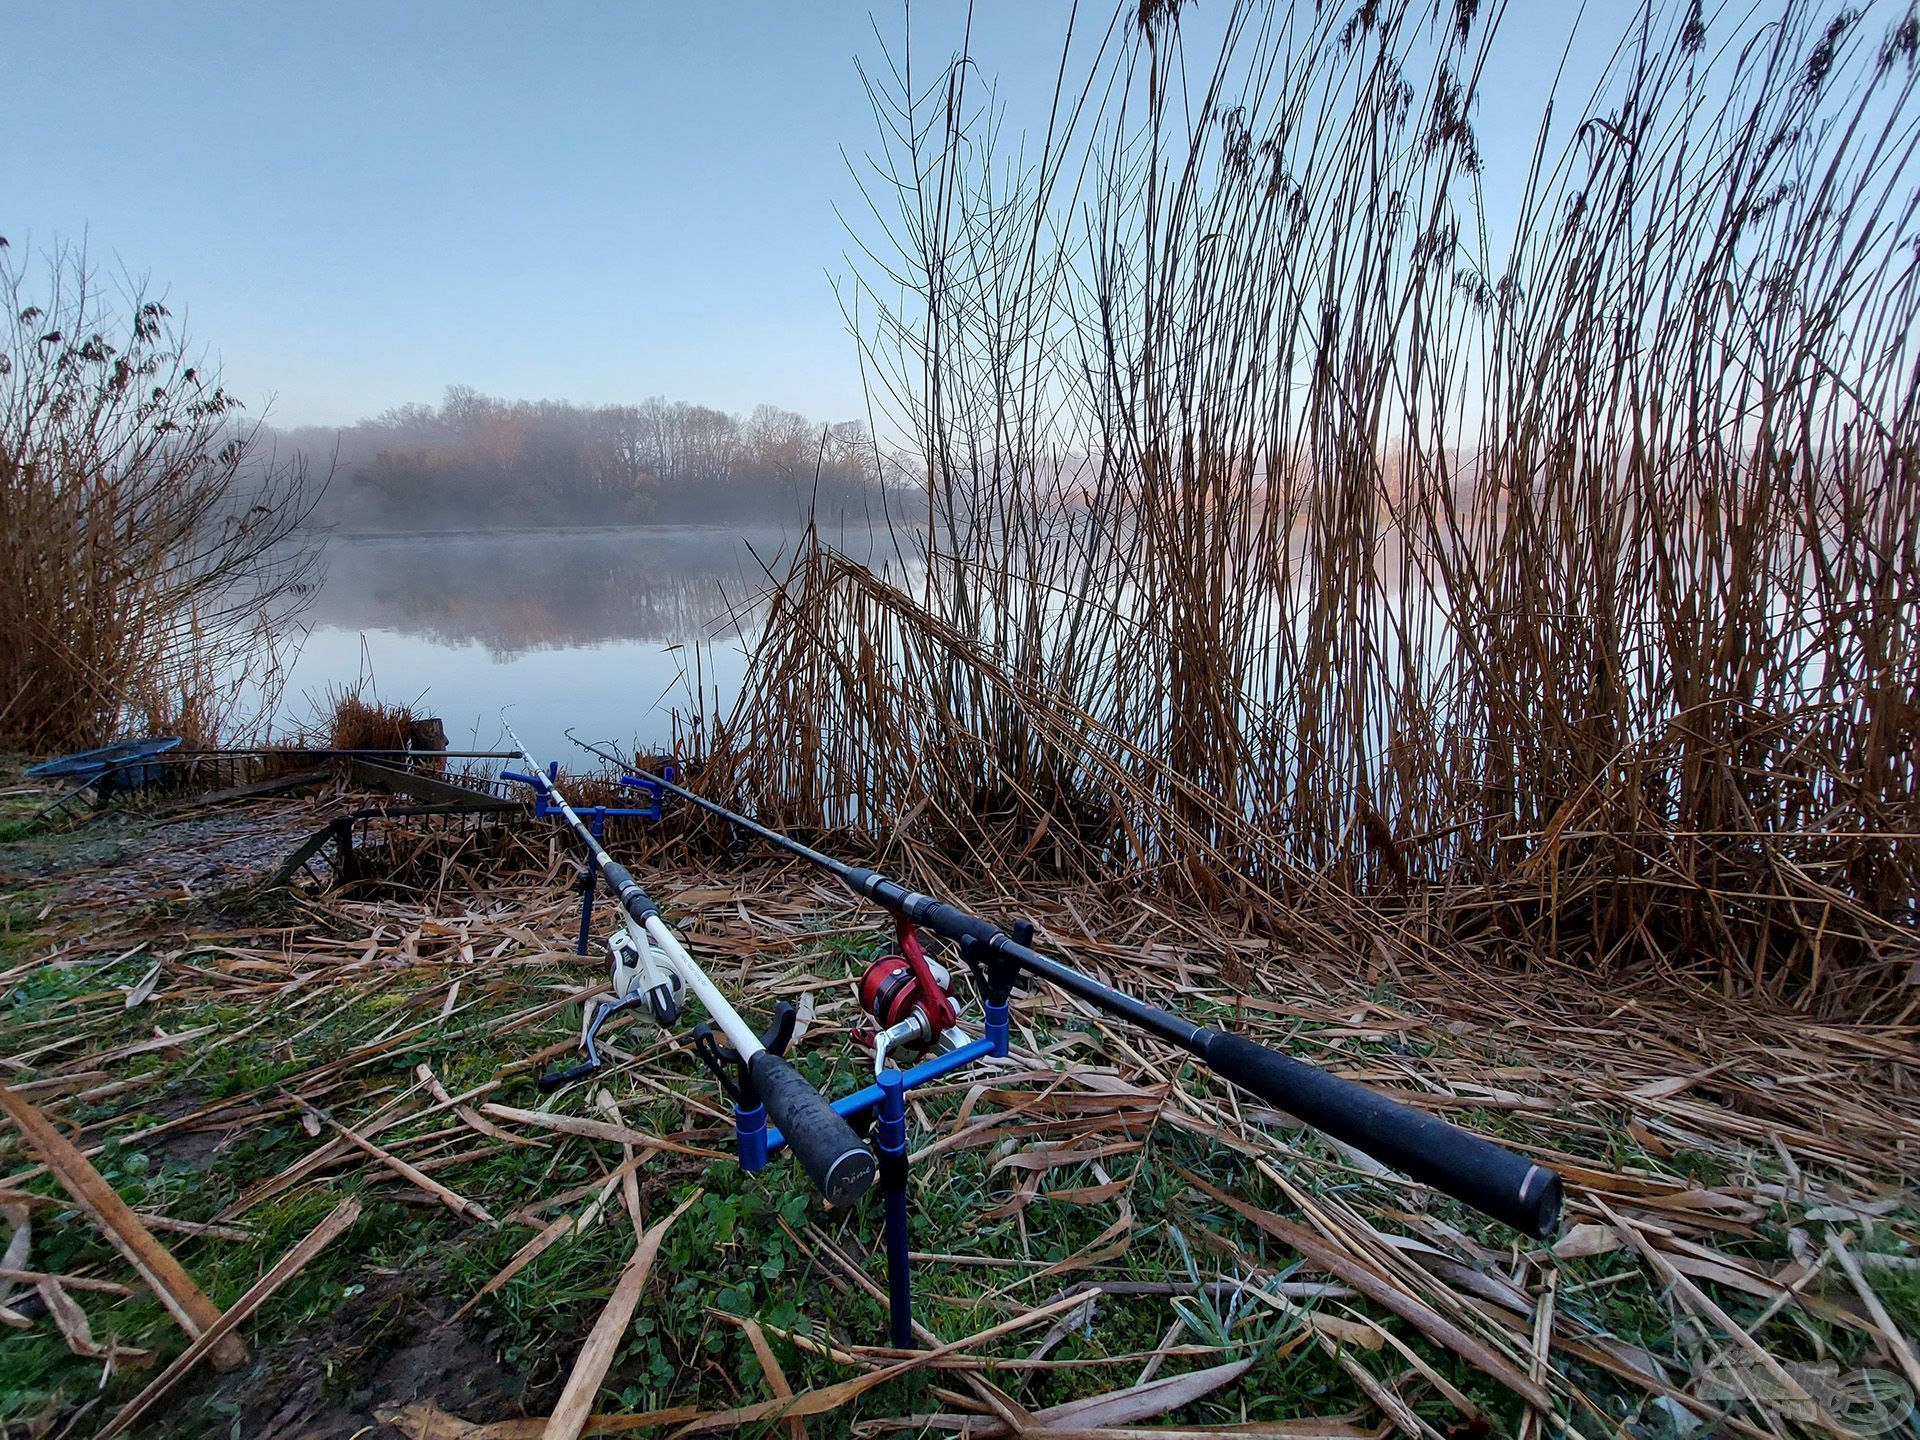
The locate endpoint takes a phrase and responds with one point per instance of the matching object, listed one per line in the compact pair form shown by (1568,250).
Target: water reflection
(543,590)
(607,631)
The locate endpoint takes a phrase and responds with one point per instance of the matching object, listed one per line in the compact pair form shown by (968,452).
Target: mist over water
(607,631)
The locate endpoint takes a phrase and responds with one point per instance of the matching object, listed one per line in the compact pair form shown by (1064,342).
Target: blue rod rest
(860,1101)
(543,807)
(653,787)
(596,817)
(998,1027)
(750,1135)
(890,1150)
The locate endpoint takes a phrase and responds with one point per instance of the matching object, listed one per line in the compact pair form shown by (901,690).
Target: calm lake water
(595,630)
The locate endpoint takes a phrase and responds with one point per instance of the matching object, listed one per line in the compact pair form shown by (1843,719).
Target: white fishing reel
(635,965)
(637,974)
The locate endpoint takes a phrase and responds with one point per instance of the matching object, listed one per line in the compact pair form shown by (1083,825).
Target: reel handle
(552,1080)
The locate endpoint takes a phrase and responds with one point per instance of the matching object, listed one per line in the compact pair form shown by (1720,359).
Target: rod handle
(1495,1181)
(840,1166)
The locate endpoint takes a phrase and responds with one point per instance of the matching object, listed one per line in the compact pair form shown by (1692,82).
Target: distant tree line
(480,462)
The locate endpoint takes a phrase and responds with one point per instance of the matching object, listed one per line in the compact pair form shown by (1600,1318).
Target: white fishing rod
(833,1156)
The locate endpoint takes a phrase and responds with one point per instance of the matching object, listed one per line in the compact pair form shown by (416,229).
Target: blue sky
(359,204)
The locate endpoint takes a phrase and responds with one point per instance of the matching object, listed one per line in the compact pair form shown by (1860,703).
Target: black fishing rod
(648,967)
(1495,1181)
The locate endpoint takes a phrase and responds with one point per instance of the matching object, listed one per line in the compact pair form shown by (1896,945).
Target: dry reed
(357,721)
(1722,1155)
(1292,541)
(148,559)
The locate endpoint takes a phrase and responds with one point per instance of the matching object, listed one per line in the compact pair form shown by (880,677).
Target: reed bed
(1319,524)
(356,720)
(150,550)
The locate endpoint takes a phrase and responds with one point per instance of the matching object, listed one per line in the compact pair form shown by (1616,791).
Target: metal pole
(588,886)
(890,1149)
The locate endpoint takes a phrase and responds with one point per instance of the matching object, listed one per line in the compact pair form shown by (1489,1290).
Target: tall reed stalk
(150,555)
(1295,538)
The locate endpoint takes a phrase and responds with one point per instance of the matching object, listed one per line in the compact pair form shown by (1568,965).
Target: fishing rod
(902,992)
(650,965)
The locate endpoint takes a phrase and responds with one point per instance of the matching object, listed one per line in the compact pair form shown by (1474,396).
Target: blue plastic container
(122,757)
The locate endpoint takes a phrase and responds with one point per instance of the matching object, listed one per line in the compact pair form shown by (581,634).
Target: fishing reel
(910,997)
(632,962)
(637,974)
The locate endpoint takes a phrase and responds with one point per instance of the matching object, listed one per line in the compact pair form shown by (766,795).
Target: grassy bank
(1095,1215)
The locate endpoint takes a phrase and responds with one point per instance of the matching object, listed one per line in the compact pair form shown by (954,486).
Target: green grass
(743,1250)
(20,918)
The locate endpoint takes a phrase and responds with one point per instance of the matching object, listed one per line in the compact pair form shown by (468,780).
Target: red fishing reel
(910,997)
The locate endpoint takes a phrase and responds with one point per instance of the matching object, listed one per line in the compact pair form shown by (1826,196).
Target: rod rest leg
(750,1136)
(998,1027)
(890,1150)
(995,974)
